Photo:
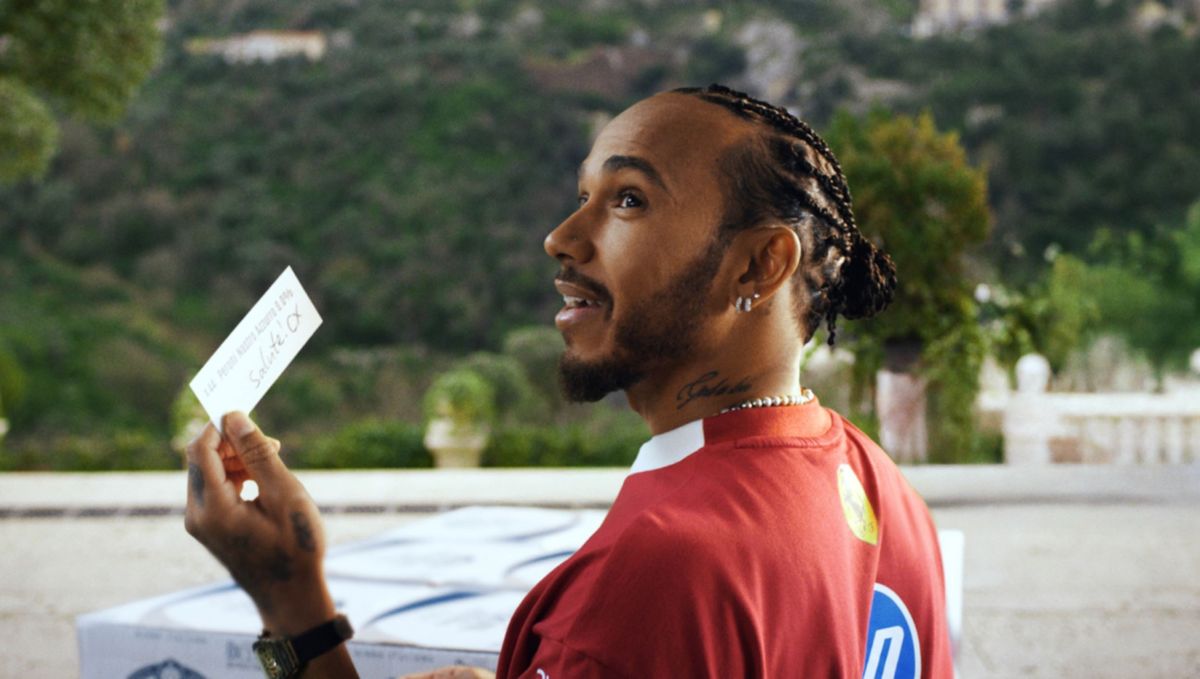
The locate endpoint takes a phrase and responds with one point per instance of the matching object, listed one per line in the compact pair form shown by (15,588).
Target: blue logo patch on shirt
(893,649)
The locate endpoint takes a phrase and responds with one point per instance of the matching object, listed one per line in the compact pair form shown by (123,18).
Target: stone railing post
(1029,420)
(900,403)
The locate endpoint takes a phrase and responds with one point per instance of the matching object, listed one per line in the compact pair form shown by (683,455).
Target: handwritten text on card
(258,350)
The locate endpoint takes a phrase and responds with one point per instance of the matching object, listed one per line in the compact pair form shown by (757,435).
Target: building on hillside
(1152,15)
(265,46)
(942,16)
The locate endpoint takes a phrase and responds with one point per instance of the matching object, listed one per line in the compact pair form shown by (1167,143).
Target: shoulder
(664,558)
(664,543)
(869,457)
(631,618)
(856,438)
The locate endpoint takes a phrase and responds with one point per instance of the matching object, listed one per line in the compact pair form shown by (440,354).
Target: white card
(258,350)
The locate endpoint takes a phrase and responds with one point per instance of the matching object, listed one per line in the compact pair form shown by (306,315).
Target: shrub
(123,450)
(12,381)
(514,399)
(607,440)
(527,446)
(538,348)
(462,395)
(368,444)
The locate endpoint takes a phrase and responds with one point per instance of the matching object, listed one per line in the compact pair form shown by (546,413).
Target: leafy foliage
(410,175)
(87,57)
(537,349)
(463,396)
(28,133)
(1084,122)
(916,195)
(1053,317)
(610,439)
(1147,289)
(513,396)
(118,367)
(370,444)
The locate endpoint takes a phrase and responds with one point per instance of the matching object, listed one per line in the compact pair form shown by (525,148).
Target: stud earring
(744,304)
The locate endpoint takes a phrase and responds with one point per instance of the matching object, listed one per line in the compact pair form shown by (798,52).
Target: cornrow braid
(789,124)
(791,175)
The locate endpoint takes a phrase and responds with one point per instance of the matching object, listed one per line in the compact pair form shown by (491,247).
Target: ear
(771,254)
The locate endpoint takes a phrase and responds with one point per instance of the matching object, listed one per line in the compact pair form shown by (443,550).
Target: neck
(702,388)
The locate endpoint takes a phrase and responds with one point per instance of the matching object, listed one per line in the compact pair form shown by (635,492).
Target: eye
(629,200)
(583,198)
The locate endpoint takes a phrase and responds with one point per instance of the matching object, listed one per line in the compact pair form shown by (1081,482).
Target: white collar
(669,447)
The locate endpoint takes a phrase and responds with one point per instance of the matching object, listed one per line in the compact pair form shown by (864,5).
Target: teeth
(574,301)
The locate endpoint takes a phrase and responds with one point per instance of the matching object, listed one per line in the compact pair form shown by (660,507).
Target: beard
(650,335)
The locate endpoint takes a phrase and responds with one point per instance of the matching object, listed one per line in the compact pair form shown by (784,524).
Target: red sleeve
(662,607)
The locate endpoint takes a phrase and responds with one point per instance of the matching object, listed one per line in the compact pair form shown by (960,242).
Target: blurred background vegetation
(154,185)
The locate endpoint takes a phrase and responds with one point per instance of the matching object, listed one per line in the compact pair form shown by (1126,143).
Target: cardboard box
(431,593)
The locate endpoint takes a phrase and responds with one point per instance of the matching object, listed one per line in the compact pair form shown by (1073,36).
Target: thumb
(259,452)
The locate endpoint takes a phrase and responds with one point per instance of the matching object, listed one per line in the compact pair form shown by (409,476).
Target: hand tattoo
(196,483)
(708,385)
(303,532)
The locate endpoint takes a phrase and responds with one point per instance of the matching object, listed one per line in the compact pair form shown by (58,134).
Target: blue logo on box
(168,669)
(893,649)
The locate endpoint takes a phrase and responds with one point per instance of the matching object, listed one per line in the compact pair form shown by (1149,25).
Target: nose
(571,240)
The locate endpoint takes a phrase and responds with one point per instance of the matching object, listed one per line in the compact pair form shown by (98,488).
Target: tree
(84,58)
(1053,317)
(1073,139)
(1147,289)
(916,196)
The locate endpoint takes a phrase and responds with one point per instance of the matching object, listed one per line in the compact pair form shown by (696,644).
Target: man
(758,534)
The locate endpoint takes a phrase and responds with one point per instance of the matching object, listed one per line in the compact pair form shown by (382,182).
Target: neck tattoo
(805,396)
(710,385)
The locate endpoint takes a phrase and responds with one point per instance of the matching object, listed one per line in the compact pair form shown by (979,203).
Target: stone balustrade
(1121,428)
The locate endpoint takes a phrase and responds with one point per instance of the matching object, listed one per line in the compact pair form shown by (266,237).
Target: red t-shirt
(767,542)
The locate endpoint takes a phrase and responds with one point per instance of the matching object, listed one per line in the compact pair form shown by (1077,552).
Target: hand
(455,672)
(273,546)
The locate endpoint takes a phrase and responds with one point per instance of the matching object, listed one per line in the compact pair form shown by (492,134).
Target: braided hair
(788,174)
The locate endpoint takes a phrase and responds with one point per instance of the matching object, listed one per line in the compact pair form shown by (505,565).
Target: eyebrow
(617,163)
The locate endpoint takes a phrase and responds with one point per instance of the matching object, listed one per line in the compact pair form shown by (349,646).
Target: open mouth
(572,302)
(579,304)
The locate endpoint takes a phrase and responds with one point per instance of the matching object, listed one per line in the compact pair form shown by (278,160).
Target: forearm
(306,605)
(273,546)
(302,613)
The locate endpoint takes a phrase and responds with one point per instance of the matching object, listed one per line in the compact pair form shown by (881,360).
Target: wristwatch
(284,657)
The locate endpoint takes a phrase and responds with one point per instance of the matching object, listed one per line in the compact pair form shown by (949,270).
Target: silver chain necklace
(803,397)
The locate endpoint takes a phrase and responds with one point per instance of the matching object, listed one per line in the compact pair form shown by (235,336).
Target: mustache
(568,275)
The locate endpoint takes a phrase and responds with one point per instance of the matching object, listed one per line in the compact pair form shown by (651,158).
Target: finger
(258,452)
(206,476)
(235,471)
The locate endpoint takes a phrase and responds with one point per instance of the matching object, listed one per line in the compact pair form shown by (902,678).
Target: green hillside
(410,175)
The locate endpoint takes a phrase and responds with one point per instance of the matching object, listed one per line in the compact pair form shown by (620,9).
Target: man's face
(639,255)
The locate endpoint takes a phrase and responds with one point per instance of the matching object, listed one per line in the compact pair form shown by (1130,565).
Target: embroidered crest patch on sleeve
(860,516)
